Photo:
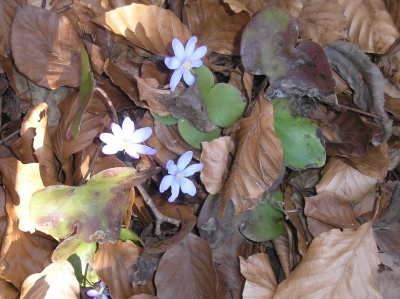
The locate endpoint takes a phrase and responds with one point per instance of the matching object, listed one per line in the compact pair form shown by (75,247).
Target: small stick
(110,104)
(359,111)
(9,136)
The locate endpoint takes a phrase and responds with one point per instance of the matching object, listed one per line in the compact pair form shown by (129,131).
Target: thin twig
(110,104)
(359,111)
(9,136)
(160,218)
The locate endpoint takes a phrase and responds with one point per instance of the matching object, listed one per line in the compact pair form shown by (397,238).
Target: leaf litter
(292,118)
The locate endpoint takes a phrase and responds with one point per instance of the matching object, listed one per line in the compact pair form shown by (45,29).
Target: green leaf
(265,221)
(302,141)
(85,93)
(194,137)
(126,234)
(169,120)
(95,210)
(224,102)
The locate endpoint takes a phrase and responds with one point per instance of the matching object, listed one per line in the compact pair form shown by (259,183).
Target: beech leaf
(258,161)
(336,264)
(52,59)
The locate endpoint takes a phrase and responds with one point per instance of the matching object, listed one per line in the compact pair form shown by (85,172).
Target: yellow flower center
(179,176)
(126,144)
(186,65)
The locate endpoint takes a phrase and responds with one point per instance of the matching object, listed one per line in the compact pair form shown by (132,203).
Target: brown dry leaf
(148,26)
(7,12)
(258,161)
(338,176)
(388,279)
(293,7)
(190,265)
(393,7)
(242,80)
(8,291)
(143,296)
(170,138)
(215,26)
(118,98)
(260,279)
(389,63)
(170,209)
(322,21)
(158,71)
(36,119)
(53,57)
(107,162)
(113,263)
(332,209)
(150,96)
(22,254)
(388,240)
(215,158)
(369,25)
(336,264)
(22,180)
(55,281)
(316,227)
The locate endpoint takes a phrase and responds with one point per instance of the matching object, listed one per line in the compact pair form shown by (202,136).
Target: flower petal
(141,135)
(175,190)
(132,152)
(176,77)
(190,46)
(172,62)
(188,187)
(199,53)
(189,78)
(197,63)
(128,127)
(92,293)
(184,160)
(192,169)
(109,138)
(117,131)
(166,182)
(110,149)
(142,149)
(173,169)
(179,50)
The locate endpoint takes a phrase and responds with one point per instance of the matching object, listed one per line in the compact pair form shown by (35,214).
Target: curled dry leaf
(388,240)
(7,289)
(335,265)
(258,161)
(388,278)
(148,26)
(390,64)
(53,58)
(343,179)
(322,21)
(332,209)
(260,279)
(369,25)
(191,263)
(242,80)
(293,7)
(215,158)
(214,26)
(57,279)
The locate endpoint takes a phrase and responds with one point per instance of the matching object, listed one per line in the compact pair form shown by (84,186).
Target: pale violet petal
(175,190)
(117,131)
(103,296)
(128,127)
(184,160)
(131,152)
(111,149)
(169,164)
(192,169)
(197,63)
(175,78)
(141,135)
(190,46)
(108,138)
(173,169)
(92,293)
(199,53)
(187,186)
(142,149)
(172,63)
(189,78)
(179,50)
(166,182)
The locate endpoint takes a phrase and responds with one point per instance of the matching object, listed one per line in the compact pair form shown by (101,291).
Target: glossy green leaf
(193,136)
(224,102)
(85,93)
(265,221)
(95,210)
(302,141)
(127,234)
(169,120)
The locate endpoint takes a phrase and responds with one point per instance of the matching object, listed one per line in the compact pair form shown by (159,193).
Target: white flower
(97,291)
(184,60)
(176,179)
(126,138)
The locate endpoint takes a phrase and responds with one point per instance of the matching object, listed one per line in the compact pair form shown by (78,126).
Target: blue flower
(184,60)
(126,138)
(177,177)
(97,291)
